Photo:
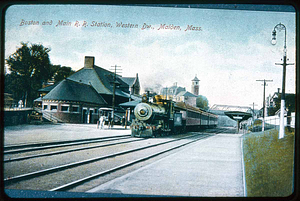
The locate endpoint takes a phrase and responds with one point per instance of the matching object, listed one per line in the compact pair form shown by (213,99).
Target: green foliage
(29,66)
(202,102)
(61,72)
(12,83)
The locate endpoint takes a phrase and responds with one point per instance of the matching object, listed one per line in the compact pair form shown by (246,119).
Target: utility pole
(281,27)
(114,95)
(166,93)
(282,102)
(253,113)
(264,101)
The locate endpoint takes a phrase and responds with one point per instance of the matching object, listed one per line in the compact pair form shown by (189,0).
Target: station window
(64,108)
(53,107)
(45,107)
(75,108)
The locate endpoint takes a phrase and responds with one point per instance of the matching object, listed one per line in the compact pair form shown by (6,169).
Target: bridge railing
(48,115)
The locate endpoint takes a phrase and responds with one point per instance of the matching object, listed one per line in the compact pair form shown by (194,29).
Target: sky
(228,50)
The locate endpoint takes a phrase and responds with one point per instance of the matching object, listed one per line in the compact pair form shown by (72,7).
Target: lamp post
(280,27)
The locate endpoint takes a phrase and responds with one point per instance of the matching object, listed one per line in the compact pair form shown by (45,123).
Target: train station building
(80,97)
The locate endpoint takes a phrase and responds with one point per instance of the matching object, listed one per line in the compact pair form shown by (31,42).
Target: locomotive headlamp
(143,112)
(273,37)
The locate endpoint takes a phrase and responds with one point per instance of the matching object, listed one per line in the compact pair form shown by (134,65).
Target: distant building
(170,93)
(195,86)
(180,94)
(273,103)
(133,83)
(186,97)
(78,98)
(9,102)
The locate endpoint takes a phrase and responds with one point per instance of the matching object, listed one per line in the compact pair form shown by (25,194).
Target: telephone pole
(281,27)
(253,113)
(114,94)
(264,101)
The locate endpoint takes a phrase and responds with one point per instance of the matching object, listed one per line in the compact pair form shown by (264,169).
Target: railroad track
(66,176)
(17,149)
(46,145)
(50,153)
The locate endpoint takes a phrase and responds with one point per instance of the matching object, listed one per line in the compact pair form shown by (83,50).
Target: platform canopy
(130,103)
(238,116)
(231,108)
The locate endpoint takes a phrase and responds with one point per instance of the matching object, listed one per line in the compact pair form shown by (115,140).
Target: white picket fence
(275,120)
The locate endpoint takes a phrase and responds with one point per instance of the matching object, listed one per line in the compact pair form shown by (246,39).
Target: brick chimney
(89,62)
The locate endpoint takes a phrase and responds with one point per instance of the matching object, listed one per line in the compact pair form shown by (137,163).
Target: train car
(164,117)
(195,118)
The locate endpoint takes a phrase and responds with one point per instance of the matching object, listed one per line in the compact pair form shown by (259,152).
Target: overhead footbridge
(237,113)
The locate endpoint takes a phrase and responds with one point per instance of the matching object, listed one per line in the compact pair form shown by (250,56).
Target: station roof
(130,103)
(240,116)
(230,108)
(69,90)
(102,80)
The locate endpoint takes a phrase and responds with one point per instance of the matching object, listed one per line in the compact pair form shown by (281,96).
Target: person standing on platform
(101,120)
(109,120)
(123,121)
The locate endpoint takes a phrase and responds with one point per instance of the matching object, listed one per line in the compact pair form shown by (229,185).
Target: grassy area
(269,163)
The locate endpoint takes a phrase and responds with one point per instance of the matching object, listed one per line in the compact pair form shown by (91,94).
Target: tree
(30,67)
(61,72)
(202,102)
(290,104)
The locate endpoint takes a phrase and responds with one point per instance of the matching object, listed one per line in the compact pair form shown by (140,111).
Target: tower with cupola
(195,86)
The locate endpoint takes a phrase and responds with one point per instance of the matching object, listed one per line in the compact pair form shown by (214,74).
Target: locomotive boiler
(152,119)
(164,117)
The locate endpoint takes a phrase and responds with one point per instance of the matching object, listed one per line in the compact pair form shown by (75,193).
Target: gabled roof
(173,90)
(179,89)
(68,90)
(101,79)
(129,80)
(89,76)
(186,94)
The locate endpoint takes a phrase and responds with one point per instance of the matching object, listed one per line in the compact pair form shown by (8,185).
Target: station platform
(27,133)
(211,167)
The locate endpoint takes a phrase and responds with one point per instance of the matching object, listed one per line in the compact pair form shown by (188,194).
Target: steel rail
(19,146)
(64,145)
(10,180)
(80,181)
(66,151)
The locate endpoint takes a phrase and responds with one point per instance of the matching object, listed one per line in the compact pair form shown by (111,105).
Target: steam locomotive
(164,117)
